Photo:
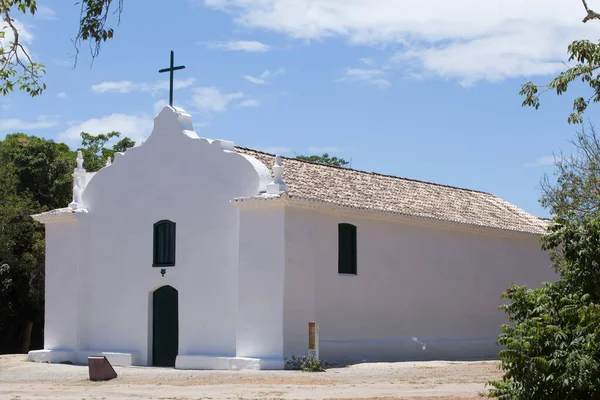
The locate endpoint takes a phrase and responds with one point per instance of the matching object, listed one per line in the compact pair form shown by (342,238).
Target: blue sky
(423,90)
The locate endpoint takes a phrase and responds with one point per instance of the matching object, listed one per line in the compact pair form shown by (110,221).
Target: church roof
(372,191)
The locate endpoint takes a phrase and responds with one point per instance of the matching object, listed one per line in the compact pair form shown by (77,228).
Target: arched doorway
(165,326)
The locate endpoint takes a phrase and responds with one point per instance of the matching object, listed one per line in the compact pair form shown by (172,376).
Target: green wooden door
(165,326)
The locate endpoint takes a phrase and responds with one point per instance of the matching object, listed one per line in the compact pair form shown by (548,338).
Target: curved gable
(174,165)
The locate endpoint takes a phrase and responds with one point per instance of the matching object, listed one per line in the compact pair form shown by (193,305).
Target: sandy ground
(20,379)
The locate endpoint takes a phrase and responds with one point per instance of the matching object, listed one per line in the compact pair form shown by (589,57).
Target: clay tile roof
(368,190)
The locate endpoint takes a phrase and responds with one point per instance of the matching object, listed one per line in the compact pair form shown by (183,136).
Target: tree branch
(591,14)
(93,25)
(17,56)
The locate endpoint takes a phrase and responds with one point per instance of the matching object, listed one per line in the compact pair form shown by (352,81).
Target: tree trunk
(27,337)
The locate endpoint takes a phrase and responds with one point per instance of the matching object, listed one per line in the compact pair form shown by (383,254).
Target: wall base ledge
(81,357)
(115,358)
(52,356)
(227,363)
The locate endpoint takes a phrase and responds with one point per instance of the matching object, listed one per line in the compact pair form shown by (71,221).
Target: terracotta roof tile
(361,189)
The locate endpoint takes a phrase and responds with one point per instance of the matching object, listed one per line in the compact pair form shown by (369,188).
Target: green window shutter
(347,249)
(164,244)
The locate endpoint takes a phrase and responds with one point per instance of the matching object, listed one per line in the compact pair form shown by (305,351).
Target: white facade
(437,283)
(250,275)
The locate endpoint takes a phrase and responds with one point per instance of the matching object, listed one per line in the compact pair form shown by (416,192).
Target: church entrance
(165,326)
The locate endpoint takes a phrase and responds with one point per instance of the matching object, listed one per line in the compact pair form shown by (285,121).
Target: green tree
(325,158)
(94,152)
(35,176)
(586,54)
(575,188)
(21,276)
(552,343)
(41,168)
(18,69)
(552,346)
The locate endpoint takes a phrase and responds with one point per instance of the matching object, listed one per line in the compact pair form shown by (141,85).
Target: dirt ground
(21,379)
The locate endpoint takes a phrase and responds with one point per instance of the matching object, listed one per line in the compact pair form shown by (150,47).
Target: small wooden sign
(313,339)
(100,369)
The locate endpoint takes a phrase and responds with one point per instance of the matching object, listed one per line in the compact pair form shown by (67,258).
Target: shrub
(552,346)
(305,363)
(552,349)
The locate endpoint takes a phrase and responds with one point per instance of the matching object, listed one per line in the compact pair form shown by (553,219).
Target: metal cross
(170,70)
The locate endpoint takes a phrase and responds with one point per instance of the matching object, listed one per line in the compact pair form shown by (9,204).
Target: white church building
(198,254)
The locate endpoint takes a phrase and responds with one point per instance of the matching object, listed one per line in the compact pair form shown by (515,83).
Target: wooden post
(26,343)
(313,339)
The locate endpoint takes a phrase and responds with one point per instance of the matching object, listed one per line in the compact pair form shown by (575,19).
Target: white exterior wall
(301,263)
(61,320)
(261,285)
(442,287)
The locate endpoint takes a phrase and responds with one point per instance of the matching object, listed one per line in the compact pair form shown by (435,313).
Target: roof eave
(315,203)
(59,215)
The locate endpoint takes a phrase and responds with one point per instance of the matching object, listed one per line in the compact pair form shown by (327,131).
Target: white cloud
(25,37)
(158,106)
(255,80)
(129,86)
(250,103)
(19,125)
(373,77)
(465,40)
(262,78)
(250,46)
(541,162)
(45,12)
(212,99)
(492,58)
(61,95)
(136,127)
(120,87)
(367,61)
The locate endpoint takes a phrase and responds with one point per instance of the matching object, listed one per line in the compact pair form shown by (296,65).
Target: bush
(305,363)
(552,348)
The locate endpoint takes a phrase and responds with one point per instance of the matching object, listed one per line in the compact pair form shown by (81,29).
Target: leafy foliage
(35,176)
(93,23)
(94,152)
(325,158)
(579,243)
(305,364)
(41,168)
(576,189)
(552,348)
(586,55)
(553,345)
(17,68)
